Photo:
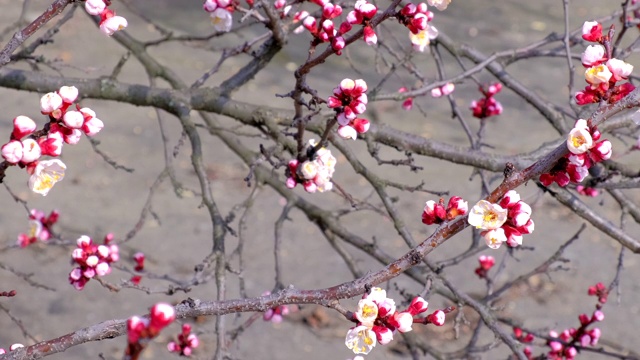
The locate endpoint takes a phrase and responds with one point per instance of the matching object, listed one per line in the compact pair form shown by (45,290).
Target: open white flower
(113,24)
(494,238)
(361,339)
(421,40)
(367,312)
(487,216)
(221,20)
(46,174)
(439,4)
(579,140)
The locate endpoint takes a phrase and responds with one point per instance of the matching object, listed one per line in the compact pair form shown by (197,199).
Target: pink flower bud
(210,5)
(94,7)
(418,306)
(448,88)
(112,24)
(89,273)
(75,274)
(436,92)
(135,327)
(73,137)
(437,318)
(370,36)
(347,132)
(92,126)
(345,27)
(92,261)
(409,10)
(77,254)
(102,269)
(595,335)
(83,241)
(12,151)
(422,8)
(22,126)
(597,316)
(601,151)
(15,346)
(310,24)
(338,44)
(50,102)
(73,119)
(361,125)
(310,186)
(69,94)
(592,31)
(509,199)
(570,353)
(161,315)
(327,26)
(290,183)
(30,151)
(555,346)
(403,321)
(456,207)
(383,334)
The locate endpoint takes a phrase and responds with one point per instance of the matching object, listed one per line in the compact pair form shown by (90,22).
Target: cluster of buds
(186,342)
(587,191)
(602,71)
(349,100)
(486,263)
(314,174)
(221,14)
(362,13)
(141,330)
(435,213)
(10,293)
(92,260)
(584,151)
(416,18)
(39,227)
(563,350)
(487,106)
(109,21)
(66,125)
(443,90)
(505,222)
(323,29)
(600,291)
(377,320)
(275,314)
(11,348)
(282,6)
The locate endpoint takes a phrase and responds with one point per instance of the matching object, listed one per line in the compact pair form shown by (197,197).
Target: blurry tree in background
(359,123)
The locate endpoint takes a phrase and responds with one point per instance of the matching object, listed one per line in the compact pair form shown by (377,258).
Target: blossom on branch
(46,174)
(504,222)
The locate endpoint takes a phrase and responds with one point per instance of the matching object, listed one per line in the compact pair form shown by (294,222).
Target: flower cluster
(221,14)
(600,291)
(487,106)
(39,227)
(362,13)
(109,22)
(525,338)
(505,222)
(275,314)
(349,100)
(377,320)
(11,348)
(486,263)
(443,90)
(141,330)
(186,342)
(66,125)
(435,213)
(584,151)
(603,72)
(93,260)
(314,174)
(416,18)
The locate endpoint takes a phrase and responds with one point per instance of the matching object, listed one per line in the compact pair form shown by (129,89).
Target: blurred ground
(95,199)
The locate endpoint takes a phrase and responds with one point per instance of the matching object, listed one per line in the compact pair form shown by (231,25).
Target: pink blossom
(12,151)
(94,7)
(22,126)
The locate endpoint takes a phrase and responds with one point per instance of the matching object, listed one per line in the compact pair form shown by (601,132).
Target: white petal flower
(360,339)
(439,4)
(367,312)
(111,25)
(46,174)
(422,39)
(579,140)
(494,238)
(95,7)
(597,74)
(487,216)
(221,20)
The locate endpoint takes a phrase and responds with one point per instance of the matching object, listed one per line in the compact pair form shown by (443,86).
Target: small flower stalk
(377,320)
(504,222)
(92,260)
(315,173)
